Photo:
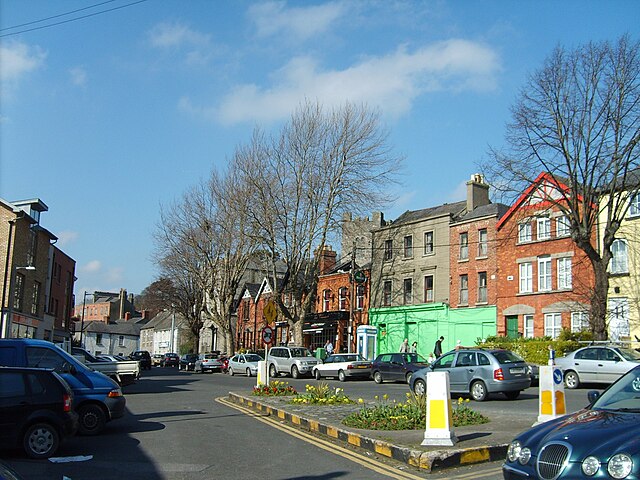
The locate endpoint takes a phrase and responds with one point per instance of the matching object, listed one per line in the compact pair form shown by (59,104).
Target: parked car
(170,360)
(225,363)
(343,366)
(112,358)
(597,364)
(208,362)
(143,357)
(36,410)
(599,441)
(188,361)
(396,367)
(124,372)
(478,372)
(246,363)
(156,359)
(534,374)
(294,361)
(97,398)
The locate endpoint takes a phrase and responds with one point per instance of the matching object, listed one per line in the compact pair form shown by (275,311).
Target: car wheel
(341,376)
(478,391)
(408,377)
(248,372)
(512,395)
(273,371)
(230,371)
(316,373)
(571,380)
(41,440)
(91,420)
(377,377)
(419,387)
(295,373)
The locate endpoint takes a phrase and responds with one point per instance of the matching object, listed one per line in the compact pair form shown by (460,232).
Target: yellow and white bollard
(552,402)
(262,373)
(439,429)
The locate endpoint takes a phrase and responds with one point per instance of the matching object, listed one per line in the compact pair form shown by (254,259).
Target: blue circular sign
(557,376)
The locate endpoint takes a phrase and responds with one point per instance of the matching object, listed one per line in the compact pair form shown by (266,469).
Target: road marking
(355,457)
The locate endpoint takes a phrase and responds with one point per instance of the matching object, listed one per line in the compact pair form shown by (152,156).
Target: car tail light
(116,392)
(66,399)
(498,375)
(350,366)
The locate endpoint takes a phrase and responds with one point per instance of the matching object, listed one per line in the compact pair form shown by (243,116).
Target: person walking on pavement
(437,350)
(404,347)
(414,347)
(328,347)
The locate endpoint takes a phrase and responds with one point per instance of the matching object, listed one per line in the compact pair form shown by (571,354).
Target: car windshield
(252,358)
(413,358)
(300,352)
(630,355)
(622,395)
(505,356)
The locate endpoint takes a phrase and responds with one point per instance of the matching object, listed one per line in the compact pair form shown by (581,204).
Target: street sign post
(267,335)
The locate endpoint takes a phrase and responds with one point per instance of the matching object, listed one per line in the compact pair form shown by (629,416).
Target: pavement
(476,443)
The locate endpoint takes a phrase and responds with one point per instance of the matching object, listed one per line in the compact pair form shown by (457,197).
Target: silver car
(294,361)
(478,372)
(244,363)
(208,362)
(343,366)
(597,364)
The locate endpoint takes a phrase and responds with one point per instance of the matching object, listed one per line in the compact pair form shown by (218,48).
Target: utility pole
(352,295)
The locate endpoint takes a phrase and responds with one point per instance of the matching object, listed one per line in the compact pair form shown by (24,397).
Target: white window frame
(544,274)
(464,246)
(387,293)
(121,341)
(359,297)
(620,260)
(388,250)
(526,277)
(483,242)
(326,300)
(579,322)
(342,298)
(634,205)
(464,289)
(524,232)
(565,279)
(563,226)
(407,291)
(482,288)
(428,243)
(429,294)
(408,246)
(527,322)
(552,325)
(543,228)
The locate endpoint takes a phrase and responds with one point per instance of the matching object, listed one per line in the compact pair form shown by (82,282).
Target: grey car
(597,364)
(244,363)
(478,372)
(294,361)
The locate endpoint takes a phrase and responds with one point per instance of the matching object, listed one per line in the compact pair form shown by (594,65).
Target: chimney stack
(327,259)
(477,192)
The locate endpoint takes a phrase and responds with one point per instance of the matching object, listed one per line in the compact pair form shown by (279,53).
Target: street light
(6,319)
(84,303)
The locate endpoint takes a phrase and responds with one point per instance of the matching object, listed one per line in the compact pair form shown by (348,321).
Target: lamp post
(84,303)
(6,319)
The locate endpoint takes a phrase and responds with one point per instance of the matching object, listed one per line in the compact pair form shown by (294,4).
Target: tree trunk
(598,317)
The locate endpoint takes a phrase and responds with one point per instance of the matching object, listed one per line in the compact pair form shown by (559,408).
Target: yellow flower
(385,396)
(360,401)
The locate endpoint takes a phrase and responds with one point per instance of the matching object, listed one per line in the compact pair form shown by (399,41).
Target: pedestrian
(414,347)
(437,349)
(404,348)
(328,347)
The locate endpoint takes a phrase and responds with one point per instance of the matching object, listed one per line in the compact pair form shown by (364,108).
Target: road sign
(267,335)
(270,311)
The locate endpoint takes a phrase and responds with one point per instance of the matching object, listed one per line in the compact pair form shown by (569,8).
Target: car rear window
(507,357)
(12,385)
(300,352)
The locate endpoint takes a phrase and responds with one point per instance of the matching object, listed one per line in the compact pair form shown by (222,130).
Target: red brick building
(544,281)
(60,295)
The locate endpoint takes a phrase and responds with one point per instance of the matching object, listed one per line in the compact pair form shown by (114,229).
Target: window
(33,247)
(552,325)
(563,226)
(408,246)
(464,289)
(428,289)
(620,260)
(544,274)
(121,341)
(408,291)
(360,297)
(388,249)
(482,287)
(579,321)
(524,232)
(528,326)
(544,228)
(428,243)
(98,339)
(634,205)
(526,277)
(18,293)
(326,300)
(35,298)
(483,243)
(386,293)
(342,298)
(564,273)
(464,246)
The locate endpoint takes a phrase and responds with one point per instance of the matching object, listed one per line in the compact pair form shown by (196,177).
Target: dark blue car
(600,441)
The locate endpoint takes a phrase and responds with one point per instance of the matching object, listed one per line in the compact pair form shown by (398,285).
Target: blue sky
(109,117)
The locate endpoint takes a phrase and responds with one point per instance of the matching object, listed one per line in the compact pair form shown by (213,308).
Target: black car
(170,360)
(143,357)
(188,361)
(36,410)
(397,367)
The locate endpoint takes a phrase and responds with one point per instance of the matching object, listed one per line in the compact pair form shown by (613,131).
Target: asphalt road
(174,429)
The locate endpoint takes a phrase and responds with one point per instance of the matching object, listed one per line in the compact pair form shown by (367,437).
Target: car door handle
(600,365)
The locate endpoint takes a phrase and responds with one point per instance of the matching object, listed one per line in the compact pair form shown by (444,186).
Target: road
(175,429)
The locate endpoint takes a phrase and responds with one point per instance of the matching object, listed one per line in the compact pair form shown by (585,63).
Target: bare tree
(321,165)
(577,118)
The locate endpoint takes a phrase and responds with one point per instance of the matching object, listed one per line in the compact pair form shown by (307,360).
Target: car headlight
(590,466)
(513,452)
(525,456)
(620,465)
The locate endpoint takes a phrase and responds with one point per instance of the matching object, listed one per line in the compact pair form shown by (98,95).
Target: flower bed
(275,389)
(321,394)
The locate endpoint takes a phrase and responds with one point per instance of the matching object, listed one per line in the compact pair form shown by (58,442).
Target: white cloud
(78,76)
(271,18)
(67,237)
(18,59)
(92,267)
(114,275)
(391,82)
(176,36)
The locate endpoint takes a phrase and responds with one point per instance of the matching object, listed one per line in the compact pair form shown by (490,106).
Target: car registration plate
(517,370)
(361,366)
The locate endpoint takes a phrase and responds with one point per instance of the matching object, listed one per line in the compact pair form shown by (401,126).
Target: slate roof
(410,216)
(162,321)
(493,209)
(124,328)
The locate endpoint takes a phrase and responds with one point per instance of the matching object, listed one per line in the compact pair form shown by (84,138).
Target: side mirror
(592,396)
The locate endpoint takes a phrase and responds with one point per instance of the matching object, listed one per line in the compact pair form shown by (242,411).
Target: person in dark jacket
(437,350)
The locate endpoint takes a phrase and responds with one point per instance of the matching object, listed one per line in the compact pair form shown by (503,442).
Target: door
(14,404)
(587,363)
(462,372)
(612,366)
(512,326)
